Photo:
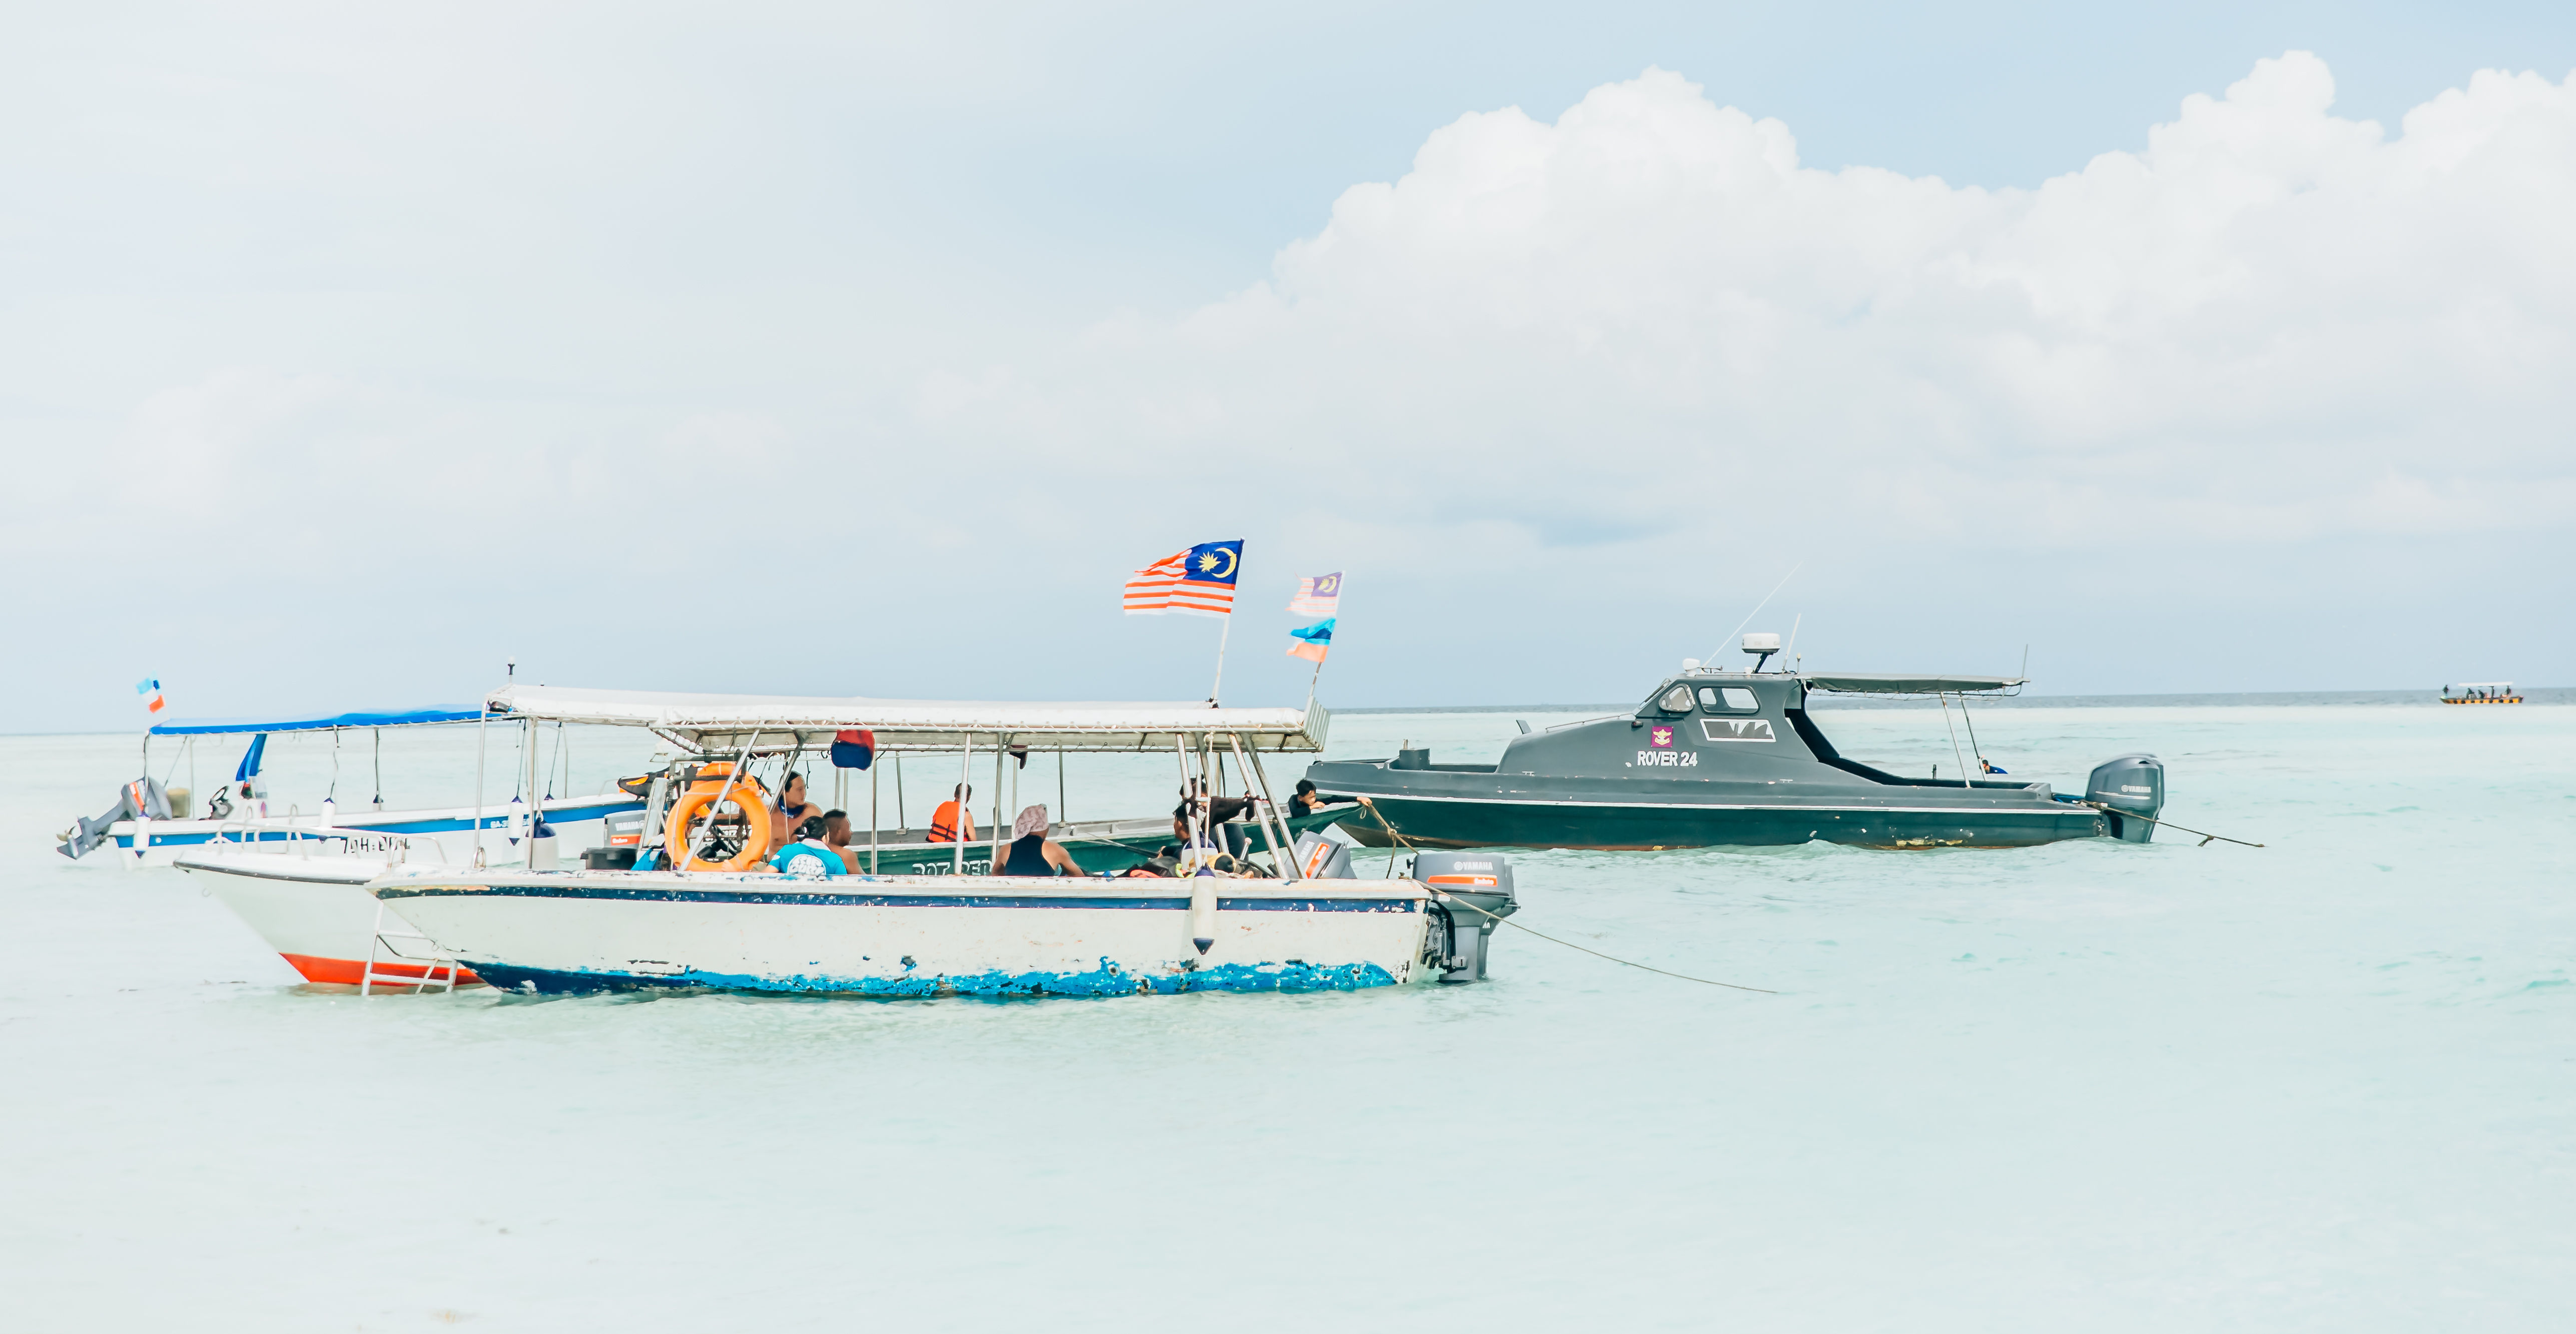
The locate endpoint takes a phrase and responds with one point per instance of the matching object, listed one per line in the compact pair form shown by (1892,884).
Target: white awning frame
(717,723)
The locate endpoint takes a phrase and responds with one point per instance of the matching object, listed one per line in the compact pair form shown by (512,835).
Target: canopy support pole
(1195,808)
(1279,859)
(1969,778)
(690,848)
(1001,753)
(965,763)
(479,720)
(872,819)
(536,803)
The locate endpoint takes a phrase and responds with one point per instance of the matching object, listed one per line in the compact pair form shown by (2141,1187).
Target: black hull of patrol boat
(1717,760)
(1507,823)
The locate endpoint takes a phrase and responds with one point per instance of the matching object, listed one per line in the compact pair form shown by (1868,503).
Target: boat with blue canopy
(297,877)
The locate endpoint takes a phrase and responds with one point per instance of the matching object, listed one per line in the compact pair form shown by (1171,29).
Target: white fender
(1203,911)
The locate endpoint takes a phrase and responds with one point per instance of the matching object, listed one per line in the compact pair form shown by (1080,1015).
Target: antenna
(1791,652)
(1757,609)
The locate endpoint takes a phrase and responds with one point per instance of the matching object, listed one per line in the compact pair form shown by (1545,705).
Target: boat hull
(1641,826)
(1665,828)
(315,911)
(895,936)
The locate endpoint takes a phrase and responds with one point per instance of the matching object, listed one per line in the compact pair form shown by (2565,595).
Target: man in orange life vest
(952,820)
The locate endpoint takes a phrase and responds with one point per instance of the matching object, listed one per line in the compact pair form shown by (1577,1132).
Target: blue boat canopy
(311,723)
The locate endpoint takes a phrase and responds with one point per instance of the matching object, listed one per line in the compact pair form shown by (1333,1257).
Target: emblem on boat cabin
(1736,729)
(1663,756)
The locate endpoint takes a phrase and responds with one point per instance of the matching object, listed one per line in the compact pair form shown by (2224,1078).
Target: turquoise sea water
(2327,1084)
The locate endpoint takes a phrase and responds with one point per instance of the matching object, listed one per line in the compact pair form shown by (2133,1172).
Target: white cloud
(2263,327)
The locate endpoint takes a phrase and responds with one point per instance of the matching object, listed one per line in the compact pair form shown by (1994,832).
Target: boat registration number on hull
(1667,759)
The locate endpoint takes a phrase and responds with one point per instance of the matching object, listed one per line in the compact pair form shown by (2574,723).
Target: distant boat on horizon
(2481,692)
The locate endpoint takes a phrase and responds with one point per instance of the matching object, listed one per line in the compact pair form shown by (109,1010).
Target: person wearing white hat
(1032,852)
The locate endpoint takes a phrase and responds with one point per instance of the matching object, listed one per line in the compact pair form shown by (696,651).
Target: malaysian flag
(1196,582)
(1318,595)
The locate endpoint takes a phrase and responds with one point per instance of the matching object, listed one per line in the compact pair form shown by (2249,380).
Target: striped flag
(1313,641)
(148,686)
(1196,582)
(1318,595)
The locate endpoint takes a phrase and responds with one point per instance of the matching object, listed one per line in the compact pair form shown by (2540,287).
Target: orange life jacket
(944,822)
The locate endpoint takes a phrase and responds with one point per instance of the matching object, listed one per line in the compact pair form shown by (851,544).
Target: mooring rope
(1378,816)
(2205,837)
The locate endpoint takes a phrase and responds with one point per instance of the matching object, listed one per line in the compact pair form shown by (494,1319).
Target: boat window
(1739,698)
(1731,698)
(1676,700)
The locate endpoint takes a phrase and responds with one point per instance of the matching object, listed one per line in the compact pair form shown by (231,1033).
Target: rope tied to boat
(1453,901)
(2205,837)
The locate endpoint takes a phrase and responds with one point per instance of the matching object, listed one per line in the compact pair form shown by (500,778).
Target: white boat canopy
(718,723)
(1910,683)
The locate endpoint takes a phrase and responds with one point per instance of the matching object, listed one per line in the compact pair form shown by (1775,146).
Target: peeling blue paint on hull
(1108,980)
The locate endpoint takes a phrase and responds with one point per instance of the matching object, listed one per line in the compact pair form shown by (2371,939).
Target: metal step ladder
(431,963)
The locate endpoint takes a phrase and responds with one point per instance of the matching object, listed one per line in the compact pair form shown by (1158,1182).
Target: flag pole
(1221,637)
(1317,676)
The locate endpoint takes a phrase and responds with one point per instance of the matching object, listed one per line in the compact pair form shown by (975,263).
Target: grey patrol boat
(1717,757)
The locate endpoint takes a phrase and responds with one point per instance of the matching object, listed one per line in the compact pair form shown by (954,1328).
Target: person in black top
(1307,801)
(1032,852)
(1216,811)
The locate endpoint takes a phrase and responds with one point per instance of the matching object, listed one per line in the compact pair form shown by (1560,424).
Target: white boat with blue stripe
(151,822)
(1302,923)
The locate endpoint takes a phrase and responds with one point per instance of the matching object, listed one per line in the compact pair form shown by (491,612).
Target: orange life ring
(706,795)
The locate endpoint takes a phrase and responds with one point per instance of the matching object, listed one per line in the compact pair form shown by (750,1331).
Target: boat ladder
(431,962)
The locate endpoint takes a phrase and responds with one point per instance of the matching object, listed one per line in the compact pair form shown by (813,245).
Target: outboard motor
(1475,880)
(1321,858)
(142,799)
(2131,785)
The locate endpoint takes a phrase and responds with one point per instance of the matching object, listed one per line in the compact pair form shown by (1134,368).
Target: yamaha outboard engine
(1471,881)
(2129,785)
(1321,858)
(142,799)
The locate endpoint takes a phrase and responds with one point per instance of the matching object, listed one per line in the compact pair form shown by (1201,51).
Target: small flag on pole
(1196,582)
(148,686)
(1313,641)
(1318,595)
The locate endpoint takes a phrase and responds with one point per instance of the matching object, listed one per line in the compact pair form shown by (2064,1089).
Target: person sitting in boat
(792,809)
(1988,765)
(1215,811)
(952,820)
(1032,852)
(836,836)
(809,854)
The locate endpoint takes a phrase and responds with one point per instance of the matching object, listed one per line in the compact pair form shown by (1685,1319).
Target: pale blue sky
(342,353)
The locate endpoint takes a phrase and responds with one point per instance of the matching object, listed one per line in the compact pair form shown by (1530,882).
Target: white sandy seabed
(2323,1085)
